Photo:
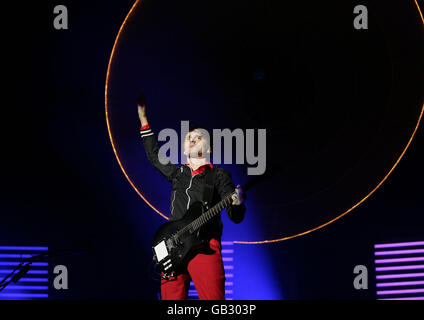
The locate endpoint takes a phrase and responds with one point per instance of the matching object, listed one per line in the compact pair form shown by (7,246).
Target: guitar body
(174,249)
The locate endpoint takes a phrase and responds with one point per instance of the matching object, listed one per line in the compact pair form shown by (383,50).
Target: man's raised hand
(141,103)
(141,100)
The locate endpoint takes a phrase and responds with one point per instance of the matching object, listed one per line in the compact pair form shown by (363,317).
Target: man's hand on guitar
(238,197)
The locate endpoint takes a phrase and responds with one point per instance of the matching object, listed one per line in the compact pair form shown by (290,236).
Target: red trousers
(207,272)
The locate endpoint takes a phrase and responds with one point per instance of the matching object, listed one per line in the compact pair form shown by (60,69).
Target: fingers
(141,100)
(239,197)
(234,197)
(236,200)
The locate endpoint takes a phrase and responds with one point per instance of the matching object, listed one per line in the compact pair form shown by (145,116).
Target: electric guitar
(176,242)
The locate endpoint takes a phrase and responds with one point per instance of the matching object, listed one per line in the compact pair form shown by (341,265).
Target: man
(206,268)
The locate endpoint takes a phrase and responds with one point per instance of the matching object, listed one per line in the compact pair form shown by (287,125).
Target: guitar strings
(197,223)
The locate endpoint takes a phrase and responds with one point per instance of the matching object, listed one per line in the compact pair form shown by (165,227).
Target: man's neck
(195,163)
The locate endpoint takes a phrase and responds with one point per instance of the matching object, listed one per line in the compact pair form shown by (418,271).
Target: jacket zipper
(172,204)
(191,180)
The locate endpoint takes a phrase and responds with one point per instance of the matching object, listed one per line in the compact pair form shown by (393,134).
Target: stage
(322,104)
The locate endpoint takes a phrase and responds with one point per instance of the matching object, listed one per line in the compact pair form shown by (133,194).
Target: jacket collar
(201,169)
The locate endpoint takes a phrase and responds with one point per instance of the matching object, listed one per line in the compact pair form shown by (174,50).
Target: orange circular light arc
(107,113)
(367,196)
(237,241)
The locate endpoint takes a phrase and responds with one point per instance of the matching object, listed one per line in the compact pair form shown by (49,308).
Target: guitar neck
(212,212)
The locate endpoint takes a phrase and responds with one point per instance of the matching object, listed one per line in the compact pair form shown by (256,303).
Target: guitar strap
(209,187)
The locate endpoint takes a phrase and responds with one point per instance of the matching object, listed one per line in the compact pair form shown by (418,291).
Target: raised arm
(163,165)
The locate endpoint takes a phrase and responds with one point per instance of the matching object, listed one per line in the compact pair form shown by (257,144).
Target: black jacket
(186,189)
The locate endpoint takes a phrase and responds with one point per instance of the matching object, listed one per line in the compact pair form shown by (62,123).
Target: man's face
(195,146)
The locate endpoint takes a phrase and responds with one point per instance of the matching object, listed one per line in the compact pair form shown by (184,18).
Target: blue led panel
(34,285)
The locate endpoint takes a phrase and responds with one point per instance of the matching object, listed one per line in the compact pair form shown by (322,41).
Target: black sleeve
(224,184)
(163,165)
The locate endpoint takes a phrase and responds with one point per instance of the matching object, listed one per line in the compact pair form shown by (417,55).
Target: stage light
(400,283)
(5,271)
(15,255)
(396,268)
(400,275)
(400,291)
(410,287)
(11,287)
(21,290)
(34,280)
(395,252)
(399,244)
(22,296)
(399,260)
(14,263)
(24,248)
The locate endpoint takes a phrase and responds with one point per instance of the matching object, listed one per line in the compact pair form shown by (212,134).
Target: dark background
(62,186)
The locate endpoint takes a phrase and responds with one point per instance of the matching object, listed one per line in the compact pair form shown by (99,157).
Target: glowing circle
(237,241)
